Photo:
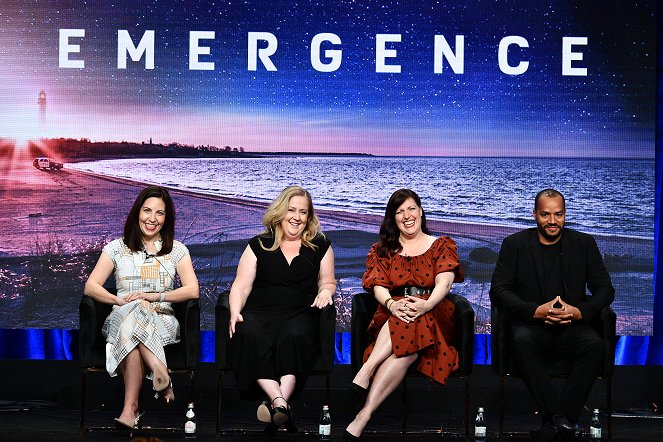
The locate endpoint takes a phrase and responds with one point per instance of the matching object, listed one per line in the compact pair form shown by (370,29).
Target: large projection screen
(474,105)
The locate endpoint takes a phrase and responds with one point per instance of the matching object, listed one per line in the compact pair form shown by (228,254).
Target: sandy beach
(53,225)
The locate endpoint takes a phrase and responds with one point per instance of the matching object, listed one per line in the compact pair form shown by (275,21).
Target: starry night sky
(609,113)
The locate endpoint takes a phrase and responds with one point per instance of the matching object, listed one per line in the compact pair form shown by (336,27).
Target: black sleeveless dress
(281,331)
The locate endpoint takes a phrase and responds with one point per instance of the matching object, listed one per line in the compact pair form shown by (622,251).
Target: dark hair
(550,193)
(389,233)
(133,236)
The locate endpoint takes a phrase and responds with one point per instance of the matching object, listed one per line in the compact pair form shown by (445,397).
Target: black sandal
(281,414)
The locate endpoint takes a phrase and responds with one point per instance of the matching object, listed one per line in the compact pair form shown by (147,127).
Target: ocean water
(610,197)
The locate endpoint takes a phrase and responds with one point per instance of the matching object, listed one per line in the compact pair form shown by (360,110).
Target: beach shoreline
(72,214)
(28,203)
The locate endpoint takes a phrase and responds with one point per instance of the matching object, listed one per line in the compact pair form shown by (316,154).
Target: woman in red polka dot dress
(410,272)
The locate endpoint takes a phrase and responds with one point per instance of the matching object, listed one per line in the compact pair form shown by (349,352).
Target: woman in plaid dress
(145,262)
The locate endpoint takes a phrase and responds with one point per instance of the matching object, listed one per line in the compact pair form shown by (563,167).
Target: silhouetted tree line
(69,149)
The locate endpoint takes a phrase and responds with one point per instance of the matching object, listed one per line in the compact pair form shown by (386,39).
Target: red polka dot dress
(429,334)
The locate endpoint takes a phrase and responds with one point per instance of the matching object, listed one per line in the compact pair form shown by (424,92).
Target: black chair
(363,309)
(503,364)
(323,364)
(181,357)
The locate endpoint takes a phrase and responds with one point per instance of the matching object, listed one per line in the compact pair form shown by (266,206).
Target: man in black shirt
(540,281)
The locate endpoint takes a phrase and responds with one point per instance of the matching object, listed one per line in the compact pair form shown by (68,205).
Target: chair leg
(502,405)
(219,385)
(328,388)
(608,380)
(192,391)
(404,405)
(81,428)
(468,401)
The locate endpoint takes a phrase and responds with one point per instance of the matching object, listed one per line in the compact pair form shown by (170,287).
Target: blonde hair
(276,213)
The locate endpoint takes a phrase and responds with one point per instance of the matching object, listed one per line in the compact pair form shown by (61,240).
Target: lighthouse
(42,110)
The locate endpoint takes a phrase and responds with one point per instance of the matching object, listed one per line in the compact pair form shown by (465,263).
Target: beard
(544,233)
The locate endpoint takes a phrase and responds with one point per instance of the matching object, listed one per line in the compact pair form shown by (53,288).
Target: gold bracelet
(386,304)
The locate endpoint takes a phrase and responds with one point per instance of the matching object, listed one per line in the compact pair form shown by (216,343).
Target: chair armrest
(464,340)
(222,317)
(92,315)
(500,340)
(190,332)
(363,310)
(328,335)
(608,330)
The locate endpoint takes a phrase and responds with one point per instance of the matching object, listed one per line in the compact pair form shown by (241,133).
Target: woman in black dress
(284,278)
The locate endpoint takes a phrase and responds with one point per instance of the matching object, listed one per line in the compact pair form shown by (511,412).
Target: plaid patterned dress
(149,323)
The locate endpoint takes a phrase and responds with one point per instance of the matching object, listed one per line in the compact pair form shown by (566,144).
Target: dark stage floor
(434,412)
(43,423)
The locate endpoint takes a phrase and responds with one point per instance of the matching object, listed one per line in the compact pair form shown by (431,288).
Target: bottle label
(324,430)
(190,427)
(480,431)
(594,432)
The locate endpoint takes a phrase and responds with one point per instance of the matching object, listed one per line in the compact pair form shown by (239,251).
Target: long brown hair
(133,236)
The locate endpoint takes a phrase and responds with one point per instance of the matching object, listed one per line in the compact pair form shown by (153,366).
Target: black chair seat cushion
(180,356)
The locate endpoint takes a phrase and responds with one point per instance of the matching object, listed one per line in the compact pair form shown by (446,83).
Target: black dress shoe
(563,425)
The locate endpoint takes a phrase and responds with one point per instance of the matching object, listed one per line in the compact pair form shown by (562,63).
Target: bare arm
(241,287)
(326,281)
(94,286)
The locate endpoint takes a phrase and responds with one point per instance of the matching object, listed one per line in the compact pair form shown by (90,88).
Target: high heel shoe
(281,415)
(123,426)
(265,413)
(290,425)
(167,394)
(349,437)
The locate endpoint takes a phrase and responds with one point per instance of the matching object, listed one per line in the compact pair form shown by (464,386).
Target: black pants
(536,345)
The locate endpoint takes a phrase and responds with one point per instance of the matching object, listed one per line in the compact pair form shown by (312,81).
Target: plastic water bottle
(190,423)
(480,425)
(324,429)
(595,432)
